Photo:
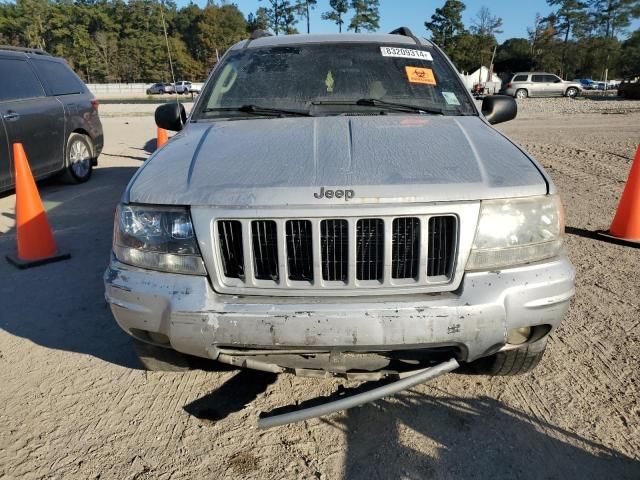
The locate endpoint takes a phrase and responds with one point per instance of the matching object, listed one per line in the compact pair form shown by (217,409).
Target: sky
(516,15)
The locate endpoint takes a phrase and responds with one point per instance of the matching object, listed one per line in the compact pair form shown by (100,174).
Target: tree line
(578,39)
(124,40)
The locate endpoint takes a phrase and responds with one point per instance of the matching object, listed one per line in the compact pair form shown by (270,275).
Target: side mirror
(171,116)
(499,108)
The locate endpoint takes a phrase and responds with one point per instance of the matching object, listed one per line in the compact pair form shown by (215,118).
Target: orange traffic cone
(162,137)
(625,227)
(34,237)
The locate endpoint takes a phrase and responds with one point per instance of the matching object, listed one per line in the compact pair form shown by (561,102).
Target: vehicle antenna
(166,39)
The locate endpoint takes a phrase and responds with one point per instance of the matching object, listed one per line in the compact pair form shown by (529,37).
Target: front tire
(521,93)
(511,362)
(572,92)
(78,159)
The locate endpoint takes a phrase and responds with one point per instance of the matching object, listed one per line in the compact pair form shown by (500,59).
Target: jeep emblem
(346,194)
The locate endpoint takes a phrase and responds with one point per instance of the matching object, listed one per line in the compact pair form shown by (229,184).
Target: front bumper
(473,320)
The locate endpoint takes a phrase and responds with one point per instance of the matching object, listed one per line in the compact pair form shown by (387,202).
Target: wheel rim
(80,159)
(521,94)
(572,92)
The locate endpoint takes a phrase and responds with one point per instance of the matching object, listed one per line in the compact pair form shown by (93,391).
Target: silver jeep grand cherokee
(337,205)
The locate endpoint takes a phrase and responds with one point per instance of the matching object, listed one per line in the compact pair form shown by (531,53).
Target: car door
(60,82)
(6,166)
(538,86)
(555,86)
(30,117)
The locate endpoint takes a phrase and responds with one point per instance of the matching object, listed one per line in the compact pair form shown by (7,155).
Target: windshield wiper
(258,110)
(375,102)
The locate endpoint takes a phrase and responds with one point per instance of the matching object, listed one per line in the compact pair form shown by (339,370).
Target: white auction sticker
(406,53)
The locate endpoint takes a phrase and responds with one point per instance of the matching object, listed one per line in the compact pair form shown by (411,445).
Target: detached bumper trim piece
(361,398)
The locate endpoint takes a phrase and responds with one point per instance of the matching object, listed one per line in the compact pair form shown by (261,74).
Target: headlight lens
(157,238)
(517,231)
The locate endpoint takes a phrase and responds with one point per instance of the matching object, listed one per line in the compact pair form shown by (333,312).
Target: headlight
(157,238)
(516,231)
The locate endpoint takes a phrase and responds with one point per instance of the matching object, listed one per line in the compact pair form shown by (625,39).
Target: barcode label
(406,53)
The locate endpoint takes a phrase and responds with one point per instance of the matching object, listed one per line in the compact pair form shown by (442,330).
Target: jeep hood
(383,159)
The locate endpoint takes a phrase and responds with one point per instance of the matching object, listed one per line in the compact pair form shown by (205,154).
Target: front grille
(230,237)
(299,250)
(370,249)
(406,248)
(337,253)
(265,249)
(334,243)
(441,244)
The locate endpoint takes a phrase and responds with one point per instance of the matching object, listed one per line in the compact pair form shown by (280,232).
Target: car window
(17,80)
(539,78)
(520,78)
(293,77)
(552,79)
(59,77)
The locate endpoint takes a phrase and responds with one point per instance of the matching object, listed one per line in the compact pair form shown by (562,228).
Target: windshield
(328,79)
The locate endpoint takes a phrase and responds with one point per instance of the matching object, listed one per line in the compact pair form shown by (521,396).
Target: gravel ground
(75,404)
(580,105)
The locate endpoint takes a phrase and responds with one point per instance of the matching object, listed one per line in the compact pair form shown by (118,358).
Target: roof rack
(406,32)
(257,34)
(36,51)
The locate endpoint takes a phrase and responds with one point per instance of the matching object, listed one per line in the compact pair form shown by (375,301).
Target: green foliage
(304,8)
(280,16)
(366,15)
(258,21)
(514,55)
(629,62)
(486,24)
(579,39)
(218,28)
(610,17)
(446,25)
(123,40)
(338,10)
(118,41)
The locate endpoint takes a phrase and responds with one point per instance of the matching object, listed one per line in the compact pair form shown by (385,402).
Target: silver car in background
(540,84)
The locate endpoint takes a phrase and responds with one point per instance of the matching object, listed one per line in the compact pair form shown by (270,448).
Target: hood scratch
(476,155)
(349,170)
(194,158)
(315,150)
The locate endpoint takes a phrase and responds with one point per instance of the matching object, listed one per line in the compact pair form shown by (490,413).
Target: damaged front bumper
(338,334)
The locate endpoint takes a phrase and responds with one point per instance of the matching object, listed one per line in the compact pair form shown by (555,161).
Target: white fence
(124,89)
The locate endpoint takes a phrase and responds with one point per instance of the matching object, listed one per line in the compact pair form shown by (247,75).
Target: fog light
(518,336)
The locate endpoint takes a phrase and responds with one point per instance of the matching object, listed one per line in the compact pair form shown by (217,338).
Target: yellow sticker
(420,75)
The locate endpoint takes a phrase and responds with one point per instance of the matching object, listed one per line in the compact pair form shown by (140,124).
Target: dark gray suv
(47,108)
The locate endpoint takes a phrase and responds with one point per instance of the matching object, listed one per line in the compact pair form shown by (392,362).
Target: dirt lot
(75,404)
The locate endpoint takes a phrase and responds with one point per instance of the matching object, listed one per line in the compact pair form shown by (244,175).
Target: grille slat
(406,241)
(265,249)
(299,250)
(369,249)
(441,246)
(334,241)
(230,235)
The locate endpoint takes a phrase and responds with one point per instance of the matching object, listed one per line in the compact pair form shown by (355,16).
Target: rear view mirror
(171,116)
(499,108)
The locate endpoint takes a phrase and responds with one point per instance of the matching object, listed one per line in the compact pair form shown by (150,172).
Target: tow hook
(412,380)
